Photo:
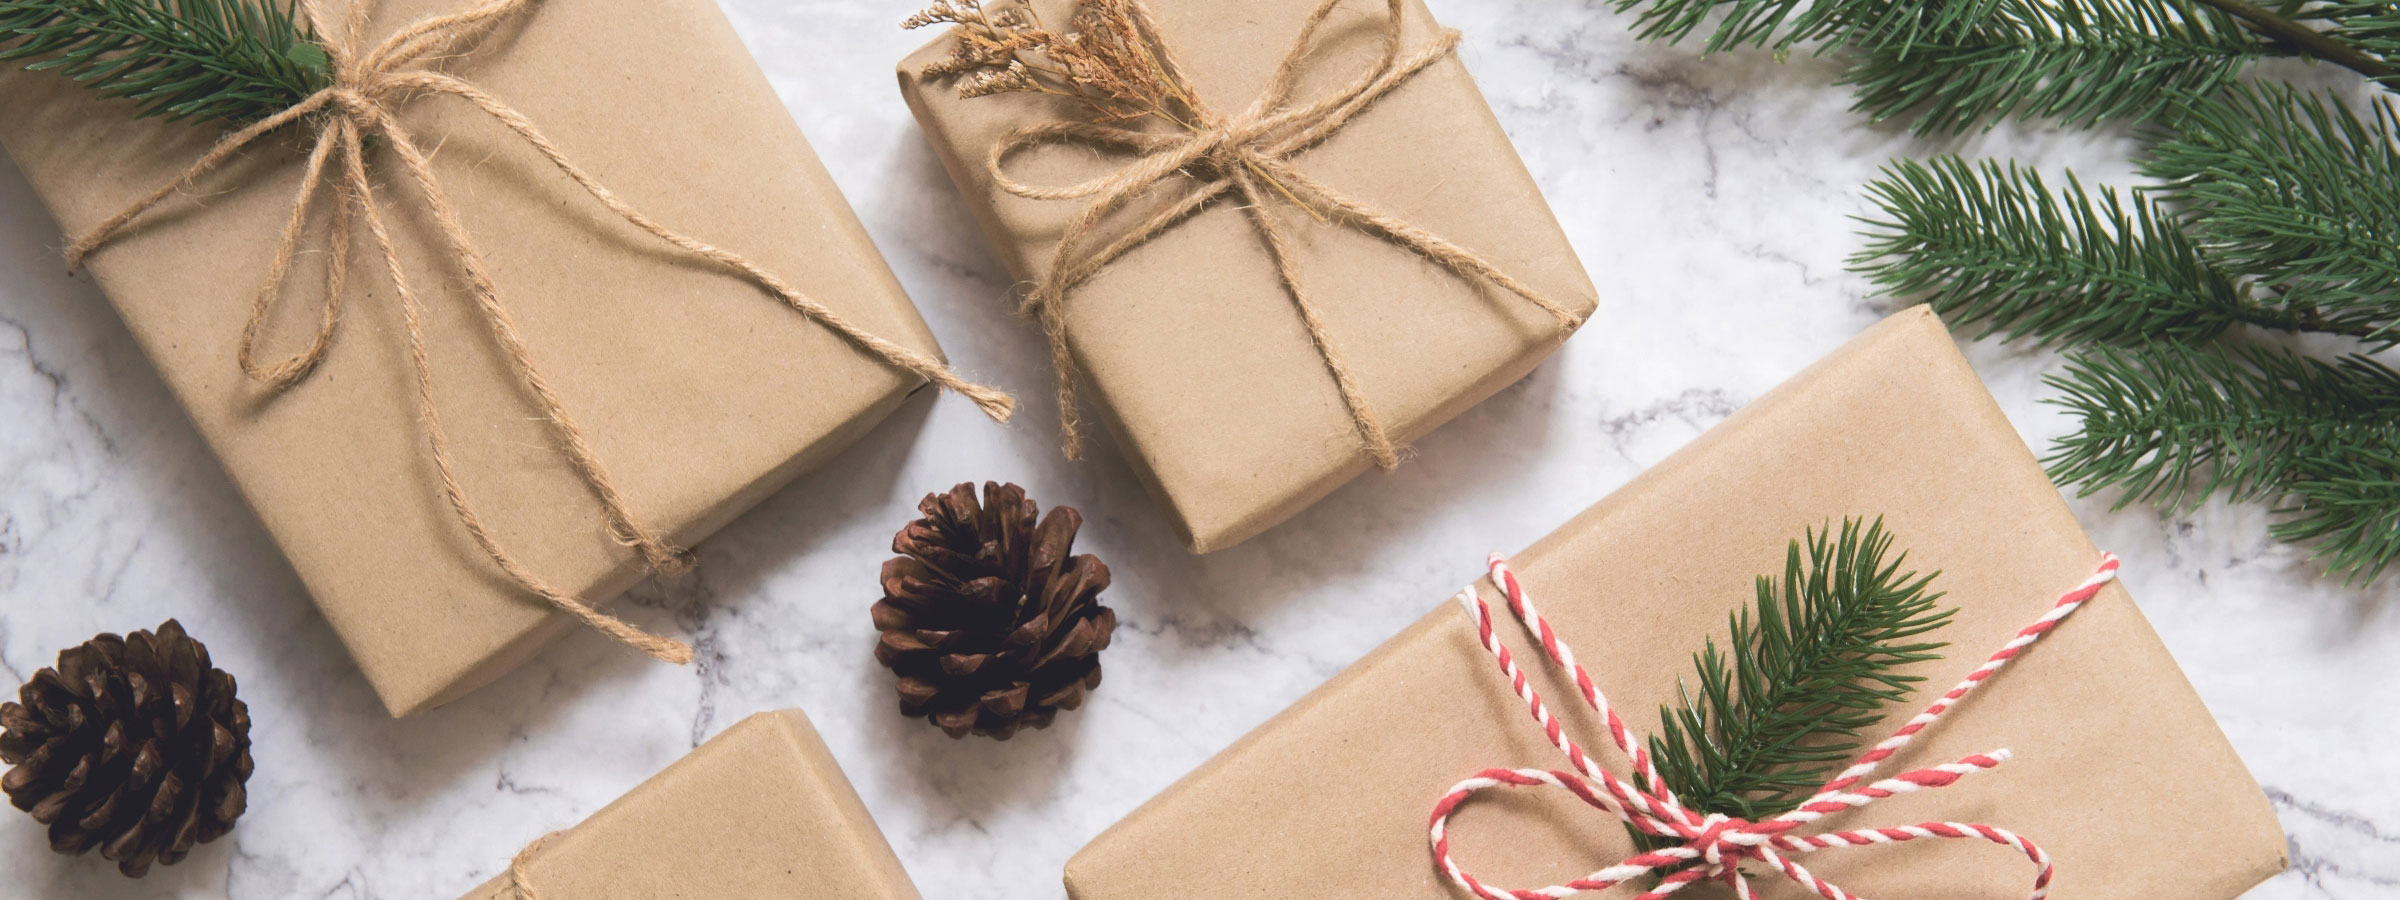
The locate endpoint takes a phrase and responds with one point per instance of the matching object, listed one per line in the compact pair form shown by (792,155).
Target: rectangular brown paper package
(1192,348)
(761,812)
(2119,771)
(699,392)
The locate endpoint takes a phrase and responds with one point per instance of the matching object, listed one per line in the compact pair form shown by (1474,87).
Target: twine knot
(1711,846)
(1710,841)
(369,82)
(1248,154)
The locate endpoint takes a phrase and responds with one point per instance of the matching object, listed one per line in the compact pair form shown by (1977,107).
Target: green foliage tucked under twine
(1808,668)
(233,61)
(2273,210)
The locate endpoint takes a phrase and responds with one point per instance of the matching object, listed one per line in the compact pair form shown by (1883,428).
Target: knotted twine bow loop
(368,84)
(1712,846)
(1248,154)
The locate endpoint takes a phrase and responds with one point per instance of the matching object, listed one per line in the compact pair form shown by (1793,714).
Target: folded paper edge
(815,761)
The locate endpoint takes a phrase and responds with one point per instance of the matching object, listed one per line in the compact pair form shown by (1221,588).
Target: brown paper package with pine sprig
(697,390)
(2119,771)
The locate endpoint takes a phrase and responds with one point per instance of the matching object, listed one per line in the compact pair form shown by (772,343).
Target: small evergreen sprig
(1991,245)
(2297,193)
(2174,425)
(1811,665)
(232,61)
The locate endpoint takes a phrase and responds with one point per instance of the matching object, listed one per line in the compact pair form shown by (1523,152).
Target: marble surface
(1708,198)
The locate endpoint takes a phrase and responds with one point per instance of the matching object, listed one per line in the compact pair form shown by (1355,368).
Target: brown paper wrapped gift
(1191,346)
(699,392)
(761,812)
(2119,770)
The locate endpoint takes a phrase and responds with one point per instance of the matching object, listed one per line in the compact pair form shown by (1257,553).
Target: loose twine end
(994,402)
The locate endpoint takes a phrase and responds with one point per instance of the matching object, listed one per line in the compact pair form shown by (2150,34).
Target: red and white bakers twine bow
(1721,843)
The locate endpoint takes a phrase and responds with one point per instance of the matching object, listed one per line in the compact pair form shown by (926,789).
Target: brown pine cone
(133,745)
(988,621)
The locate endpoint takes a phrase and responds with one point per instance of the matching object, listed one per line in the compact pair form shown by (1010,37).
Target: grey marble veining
(1707,196)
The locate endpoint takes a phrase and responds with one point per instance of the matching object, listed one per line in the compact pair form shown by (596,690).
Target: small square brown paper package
(2118,770)
(761,812)
(563,290)
(1319,246)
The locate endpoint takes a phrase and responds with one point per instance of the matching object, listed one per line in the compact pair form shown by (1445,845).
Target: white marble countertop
(1708,198)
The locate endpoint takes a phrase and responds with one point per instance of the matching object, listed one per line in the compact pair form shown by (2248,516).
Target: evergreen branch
(235,61)
(2078,62)
(2321,45)
(2349,507)
(1808,669)
(2372,26)
(1784,24)
(2298,191)
(1992,245)
(2176,425)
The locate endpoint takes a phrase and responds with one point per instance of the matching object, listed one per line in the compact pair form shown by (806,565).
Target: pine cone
(132,745)
(988,621)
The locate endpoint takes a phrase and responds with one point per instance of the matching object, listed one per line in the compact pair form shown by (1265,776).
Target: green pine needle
(234,61)
(2299,192)
(2175,425)
(1811,667)
(1992,245)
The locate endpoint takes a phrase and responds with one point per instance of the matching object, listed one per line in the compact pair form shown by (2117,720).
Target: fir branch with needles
(231,61)
(2270,213)
(2174,425)
(2298,193)
(1817,660)
(1992,245)
(1956,66)
(2074,62)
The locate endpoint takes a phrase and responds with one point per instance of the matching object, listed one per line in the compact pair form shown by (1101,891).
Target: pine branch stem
(2315,43)
(2306,319)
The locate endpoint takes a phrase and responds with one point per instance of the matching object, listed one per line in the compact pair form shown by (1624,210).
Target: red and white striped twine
(1721,843)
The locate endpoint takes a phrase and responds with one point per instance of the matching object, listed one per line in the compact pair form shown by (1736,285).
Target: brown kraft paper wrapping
(1192,350)
(700,392)
(2119,770)
(761,812)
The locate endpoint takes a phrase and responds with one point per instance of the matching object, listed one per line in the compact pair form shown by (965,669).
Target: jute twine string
(1247,154)
(1713,846)
(368,86)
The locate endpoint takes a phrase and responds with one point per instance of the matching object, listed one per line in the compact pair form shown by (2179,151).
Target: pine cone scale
(987,611)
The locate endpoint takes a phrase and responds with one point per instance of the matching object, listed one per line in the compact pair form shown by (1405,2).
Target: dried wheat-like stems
(1105,60)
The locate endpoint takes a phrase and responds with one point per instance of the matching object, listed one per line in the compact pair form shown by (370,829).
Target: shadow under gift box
(2119,770)
(701,393)
(761,812)
(1192,349)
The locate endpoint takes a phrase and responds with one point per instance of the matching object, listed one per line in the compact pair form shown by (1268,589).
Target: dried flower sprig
(1105,60)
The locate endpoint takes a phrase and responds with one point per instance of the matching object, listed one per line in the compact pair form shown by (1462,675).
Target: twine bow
(369,83)
(1248,153)
(1713,846)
